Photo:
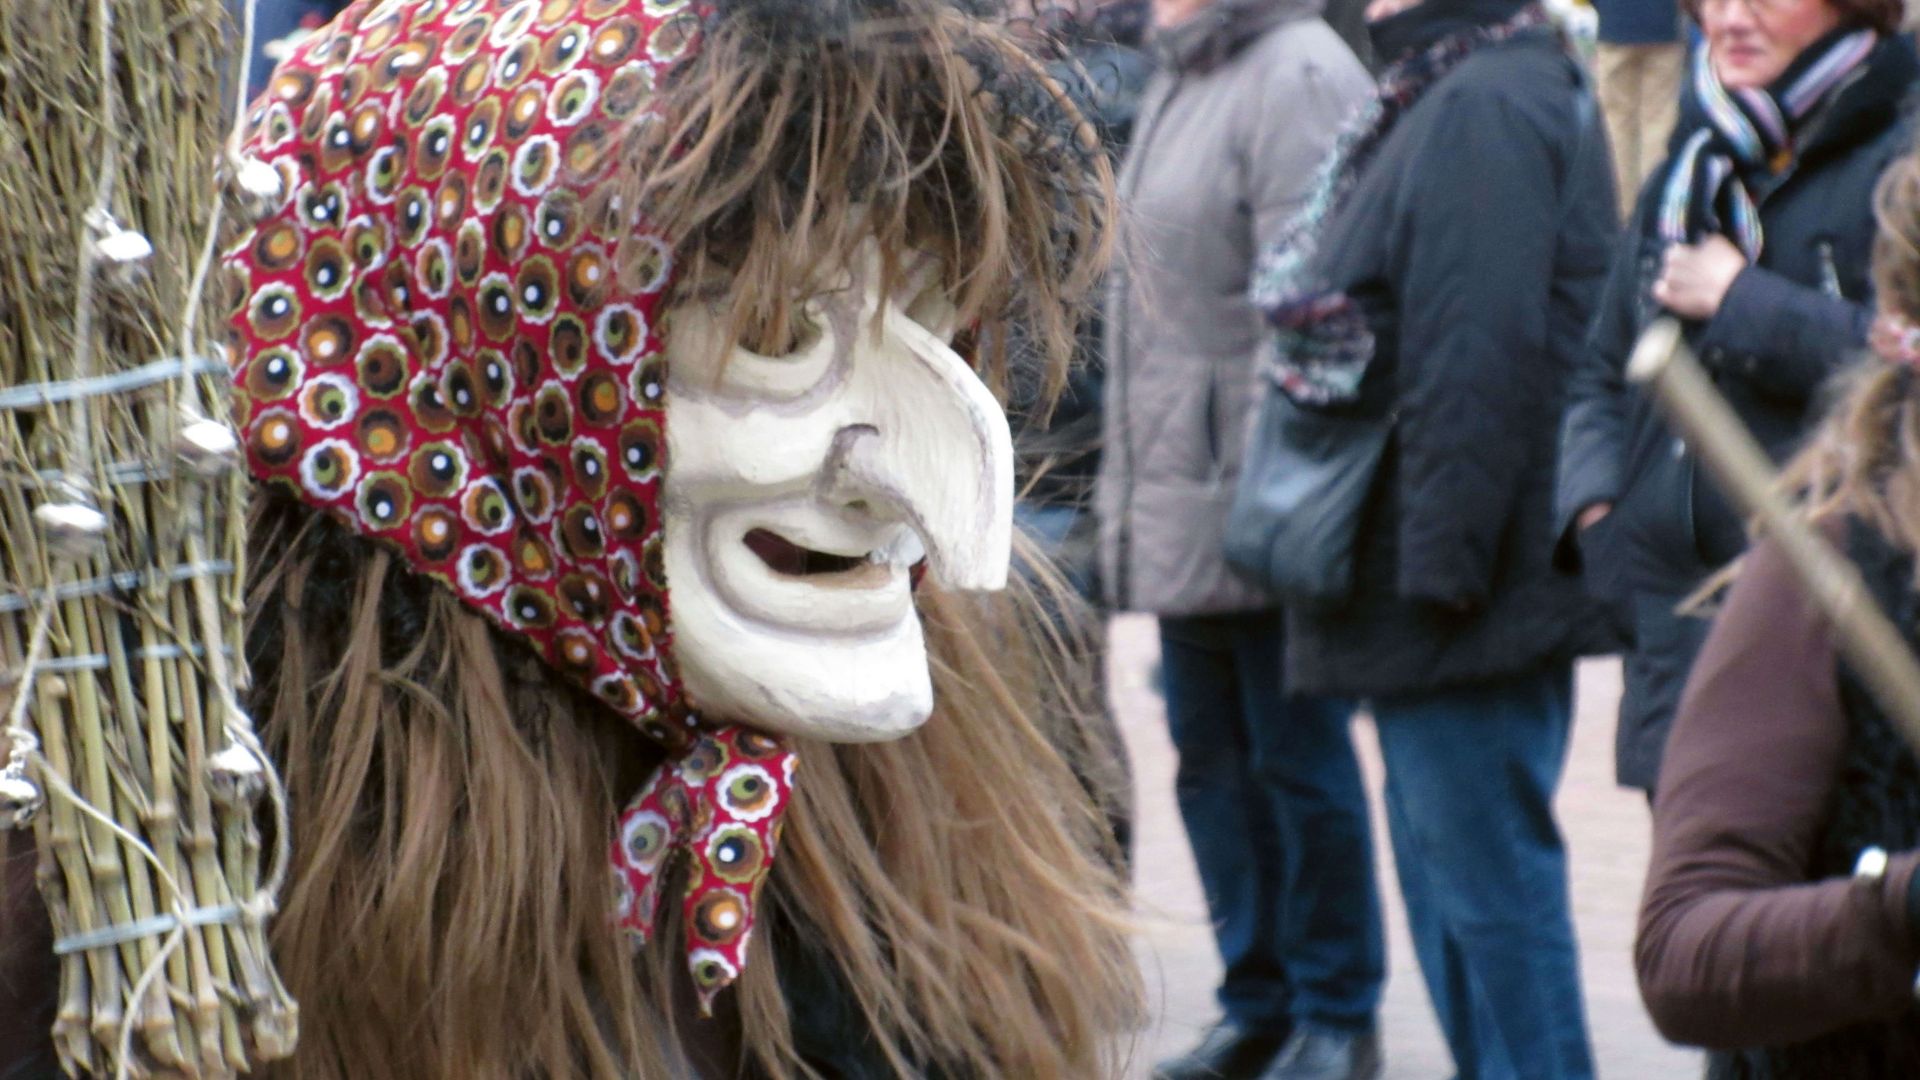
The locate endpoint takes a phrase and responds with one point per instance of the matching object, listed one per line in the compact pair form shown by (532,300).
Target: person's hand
(1694,278)
(1591,516)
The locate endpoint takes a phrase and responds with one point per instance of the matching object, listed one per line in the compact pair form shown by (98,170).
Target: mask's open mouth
(783,556)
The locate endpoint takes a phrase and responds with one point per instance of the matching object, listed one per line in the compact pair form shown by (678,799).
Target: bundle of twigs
(121,517)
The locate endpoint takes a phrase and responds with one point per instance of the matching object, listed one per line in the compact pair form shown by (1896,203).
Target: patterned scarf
(434,346)
(1749,131)
(1321,344)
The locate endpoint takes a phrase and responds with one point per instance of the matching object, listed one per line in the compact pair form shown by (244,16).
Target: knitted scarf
(1321,343)
(1749,131)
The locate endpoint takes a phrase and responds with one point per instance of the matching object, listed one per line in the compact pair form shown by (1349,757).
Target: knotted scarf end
(720,801)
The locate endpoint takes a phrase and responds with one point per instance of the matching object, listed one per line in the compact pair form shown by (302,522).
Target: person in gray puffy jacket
(1232,129)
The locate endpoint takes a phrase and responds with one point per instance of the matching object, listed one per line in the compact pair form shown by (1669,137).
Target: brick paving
(1606,829)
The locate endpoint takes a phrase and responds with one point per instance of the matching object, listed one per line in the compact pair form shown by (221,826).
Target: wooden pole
(1877,651)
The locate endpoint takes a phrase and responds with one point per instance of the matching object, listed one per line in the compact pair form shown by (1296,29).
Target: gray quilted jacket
(1248,99)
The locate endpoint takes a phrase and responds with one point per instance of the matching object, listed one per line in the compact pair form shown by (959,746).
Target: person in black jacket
(1105,68)
(1447,287)
(278,26)
(1768,271)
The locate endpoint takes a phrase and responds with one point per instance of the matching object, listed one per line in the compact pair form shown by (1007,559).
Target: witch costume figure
(627,610)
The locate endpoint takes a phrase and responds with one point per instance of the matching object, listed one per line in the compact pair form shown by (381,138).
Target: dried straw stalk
(122,701)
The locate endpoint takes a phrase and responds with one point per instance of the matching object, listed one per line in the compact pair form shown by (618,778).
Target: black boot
(1227,1052)
(1321,1053)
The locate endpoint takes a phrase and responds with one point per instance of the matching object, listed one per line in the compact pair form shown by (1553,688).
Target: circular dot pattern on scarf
(433,342)
(447,338)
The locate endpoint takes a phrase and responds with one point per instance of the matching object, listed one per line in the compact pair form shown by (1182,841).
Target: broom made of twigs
(121,539)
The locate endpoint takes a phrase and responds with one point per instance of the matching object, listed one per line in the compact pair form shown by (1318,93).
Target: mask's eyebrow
(922,269)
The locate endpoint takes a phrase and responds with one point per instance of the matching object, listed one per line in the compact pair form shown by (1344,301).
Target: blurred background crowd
(1380,272)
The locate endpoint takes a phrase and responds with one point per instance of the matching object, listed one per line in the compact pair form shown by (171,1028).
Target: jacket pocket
(1652,538)
(1603,574)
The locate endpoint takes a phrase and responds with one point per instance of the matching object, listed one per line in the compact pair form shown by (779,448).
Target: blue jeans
(1471,774)
(1271,795)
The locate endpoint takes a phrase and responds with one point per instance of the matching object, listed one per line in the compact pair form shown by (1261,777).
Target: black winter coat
(1057,451)
(1476,241)
(1785,326)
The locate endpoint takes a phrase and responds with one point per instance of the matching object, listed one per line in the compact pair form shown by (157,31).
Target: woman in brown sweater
(1779,926)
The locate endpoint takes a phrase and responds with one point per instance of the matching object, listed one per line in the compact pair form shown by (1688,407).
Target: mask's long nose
(936,453)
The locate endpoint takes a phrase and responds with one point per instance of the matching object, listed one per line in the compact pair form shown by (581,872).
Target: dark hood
(1413,30)
(1214,35)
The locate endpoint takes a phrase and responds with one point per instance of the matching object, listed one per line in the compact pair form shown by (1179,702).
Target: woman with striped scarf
(1756,234)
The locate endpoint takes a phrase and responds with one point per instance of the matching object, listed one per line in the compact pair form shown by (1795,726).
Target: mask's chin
(796,622)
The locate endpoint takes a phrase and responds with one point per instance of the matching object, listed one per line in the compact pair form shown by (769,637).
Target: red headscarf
(435,346)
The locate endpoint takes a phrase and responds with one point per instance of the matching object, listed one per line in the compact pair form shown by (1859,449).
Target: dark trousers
(1274,806)
(1471,775)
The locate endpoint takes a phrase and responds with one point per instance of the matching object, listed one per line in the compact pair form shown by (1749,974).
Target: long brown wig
(449,915)
(449,911)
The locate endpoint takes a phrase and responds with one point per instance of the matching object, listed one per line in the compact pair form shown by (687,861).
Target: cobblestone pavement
(1606,829)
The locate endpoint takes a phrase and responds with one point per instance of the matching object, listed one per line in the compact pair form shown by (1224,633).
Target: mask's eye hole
(929,302)
(785,334)
(934,309)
